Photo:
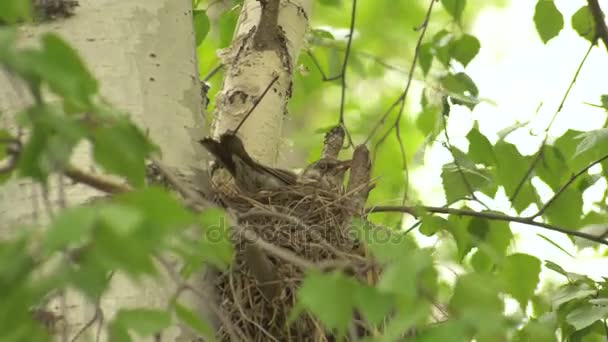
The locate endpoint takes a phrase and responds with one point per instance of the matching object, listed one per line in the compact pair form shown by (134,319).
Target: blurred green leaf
(583,23)
(385,244)
(537,332)
(12,11)
(586,314)
(493,247)
(567,209)
(520,272)
(571,292)
(373,304)
(121,149)
(431,224)
(552,167)
(201,26)
(465,48)
(460,84)
(591,140)
(459,228)
(511,168)
(70,226)
(480,148)
(425,57)
(476,301)
(145,322)
(194,321)
(454,8)
(454,184)
(548,20)
(330,297)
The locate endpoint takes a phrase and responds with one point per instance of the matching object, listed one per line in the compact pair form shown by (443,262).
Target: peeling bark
(267,41)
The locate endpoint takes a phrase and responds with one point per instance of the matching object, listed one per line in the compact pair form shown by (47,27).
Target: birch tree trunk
(143,55)
(266,44)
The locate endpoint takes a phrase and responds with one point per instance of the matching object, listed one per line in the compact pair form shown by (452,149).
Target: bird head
(326,167)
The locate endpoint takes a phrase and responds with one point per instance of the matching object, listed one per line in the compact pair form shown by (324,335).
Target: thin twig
(566,185)
(255,104)
(402,97)
(540,151)
(315,61)
(415,211)
(601,31)
(212,72)
(351,32)
(95,181)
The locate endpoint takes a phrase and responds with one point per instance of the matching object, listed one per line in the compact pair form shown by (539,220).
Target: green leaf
(454,185)
(441,46)
(454,8)
(476,301)
(493,247)
(431,224)
(373,304)
(537,332)
(511,168)
(552,167)
(385,244)
(480,148)
(194,321)
(586,314)
(583,23)
(548,20)
(450,330)
(70,226)
(12,11)
(567,209)
(465,49)
(520,274)
(460,84)
(59,65)
(159,208)
(144,322)
(330,297)
(216,246)
(571,292)
(591,140)
(123,220)
(425,58)
(604,101)
(201,26)
(459,228)
(121,149)
(404,276)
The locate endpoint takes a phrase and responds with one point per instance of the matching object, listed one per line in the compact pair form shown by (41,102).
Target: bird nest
(296,228)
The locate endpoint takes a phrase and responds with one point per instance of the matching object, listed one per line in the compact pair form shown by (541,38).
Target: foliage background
(492,150)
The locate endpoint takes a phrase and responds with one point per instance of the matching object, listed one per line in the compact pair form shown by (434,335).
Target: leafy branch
(417,210)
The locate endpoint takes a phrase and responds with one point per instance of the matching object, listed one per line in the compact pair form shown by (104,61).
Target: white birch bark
(143,54)
(249,71)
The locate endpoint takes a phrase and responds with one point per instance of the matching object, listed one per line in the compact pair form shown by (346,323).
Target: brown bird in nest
(251,176)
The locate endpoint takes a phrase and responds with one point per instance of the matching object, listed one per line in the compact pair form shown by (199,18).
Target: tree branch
(351,32)
(601,31)
(95,181)
(416,210)
(563,187)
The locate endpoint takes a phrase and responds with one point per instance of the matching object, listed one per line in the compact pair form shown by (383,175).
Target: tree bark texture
(143,55)
(266,44)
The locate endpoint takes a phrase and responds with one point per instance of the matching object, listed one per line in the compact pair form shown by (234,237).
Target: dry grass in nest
(311,223)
